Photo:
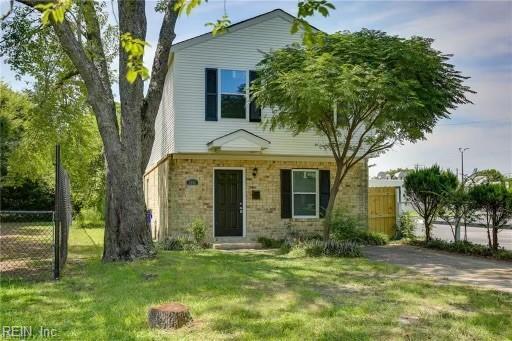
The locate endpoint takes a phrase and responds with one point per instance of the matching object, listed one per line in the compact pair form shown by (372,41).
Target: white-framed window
(233,93)
(305,197)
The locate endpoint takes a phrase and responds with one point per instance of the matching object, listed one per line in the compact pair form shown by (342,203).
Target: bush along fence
(33,244)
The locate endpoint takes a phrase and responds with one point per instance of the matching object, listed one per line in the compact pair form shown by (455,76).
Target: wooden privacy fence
(382,210)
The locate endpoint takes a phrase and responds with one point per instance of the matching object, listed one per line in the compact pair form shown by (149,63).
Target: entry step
(236,246)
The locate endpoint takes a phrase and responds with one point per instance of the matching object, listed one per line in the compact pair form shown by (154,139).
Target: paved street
(475,234)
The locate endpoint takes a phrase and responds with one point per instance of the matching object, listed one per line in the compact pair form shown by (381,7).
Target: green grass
(251,295)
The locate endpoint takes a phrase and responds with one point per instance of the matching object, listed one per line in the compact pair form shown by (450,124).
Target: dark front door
(228,203)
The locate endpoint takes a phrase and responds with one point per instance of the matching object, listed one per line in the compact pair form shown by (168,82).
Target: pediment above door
(238,141)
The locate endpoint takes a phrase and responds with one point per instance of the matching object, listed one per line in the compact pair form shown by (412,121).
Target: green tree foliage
(426,189)
(32,123)
(455,207)
(405,228)
(17,193)
(27,195)
(494,200)
(489,176)
(12,108)
(58,111)
(363,91)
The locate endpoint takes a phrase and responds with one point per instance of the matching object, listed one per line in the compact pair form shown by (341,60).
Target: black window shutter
(211,95)
(325,190)
(254,110)
(286,193)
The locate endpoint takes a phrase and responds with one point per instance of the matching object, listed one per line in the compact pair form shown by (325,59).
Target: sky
(477,33)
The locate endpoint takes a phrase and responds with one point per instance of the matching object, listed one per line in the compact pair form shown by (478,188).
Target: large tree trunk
(127,235)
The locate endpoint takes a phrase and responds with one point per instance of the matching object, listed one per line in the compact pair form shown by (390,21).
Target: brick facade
(175,204)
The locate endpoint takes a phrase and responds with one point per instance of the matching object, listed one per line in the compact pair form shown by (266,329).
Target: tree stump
(169,316)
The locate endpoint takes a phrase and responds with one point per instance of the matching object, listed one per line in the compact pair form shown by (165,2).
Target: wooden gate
(382,210)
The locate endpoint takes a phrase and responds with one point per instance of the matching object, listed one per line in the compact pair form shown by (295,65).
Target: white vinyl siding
(165,122)
(180,124)
(237,50)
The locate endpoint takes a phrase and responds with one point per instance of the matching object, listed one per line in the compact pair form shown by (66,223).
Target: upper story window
(227,95)
(233,93)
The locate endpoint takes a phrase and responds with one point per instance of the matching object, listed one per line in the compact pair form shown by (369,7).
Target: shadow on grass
(252,296)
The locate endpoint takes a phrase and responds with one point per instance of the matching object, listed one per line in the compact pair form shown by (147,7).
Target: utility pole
(457,228)
(462,150)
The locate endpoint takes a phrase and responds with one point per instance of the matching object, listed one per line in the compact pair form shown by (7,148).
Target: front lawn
(251,295)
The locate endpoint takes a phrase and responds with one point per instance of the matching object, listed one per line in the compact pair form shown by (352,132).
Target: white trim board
(235,27)
(239,140)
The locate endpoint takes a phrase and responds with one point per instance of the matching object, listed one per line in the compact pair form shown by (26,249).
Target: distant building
(400,175)
(383,175)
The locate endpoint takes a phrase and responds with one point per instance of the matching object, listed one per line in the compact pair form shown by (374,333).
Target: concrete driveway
(447,267)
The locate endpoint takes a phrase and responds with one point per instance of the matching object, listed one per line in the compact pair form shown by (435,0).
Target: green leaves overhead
(134,48)
(220,26)
(308,8)
(186,6)
(53,11)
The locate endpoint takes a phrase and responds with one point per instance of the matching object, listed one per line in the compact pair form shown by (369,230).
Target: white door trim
(244,200)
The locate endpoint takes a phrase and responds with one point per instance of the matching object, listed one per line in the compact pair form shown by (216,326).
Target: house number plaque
(192,182)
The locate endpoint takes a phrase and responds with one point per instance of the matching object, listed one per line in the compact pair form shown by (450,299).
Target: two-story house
(212,158)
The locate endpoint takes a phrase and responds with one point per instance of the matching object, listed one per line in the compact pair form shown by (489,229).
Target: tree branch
(368,128)
(348,140)
(373,149)
(99,97)
(6,14)
(93,33)
(67,76)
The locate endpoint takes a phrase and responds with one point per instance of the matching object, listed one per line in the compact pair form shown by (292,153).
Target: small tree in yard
(362,91)
(456,205)
(495,201)
(426,189)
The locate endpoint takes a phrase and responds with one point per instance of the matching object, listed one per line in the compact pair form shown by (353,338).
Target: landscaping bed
(251,295)
(464,247)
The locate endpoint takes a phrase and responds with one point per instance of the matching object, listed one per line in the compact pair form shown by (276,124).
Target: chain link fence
(34,244)
(27,244)
(63,216)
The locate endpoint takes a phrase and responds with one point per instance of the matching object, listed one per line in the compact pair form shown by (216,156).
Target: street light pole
(457,228)
(462,150)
